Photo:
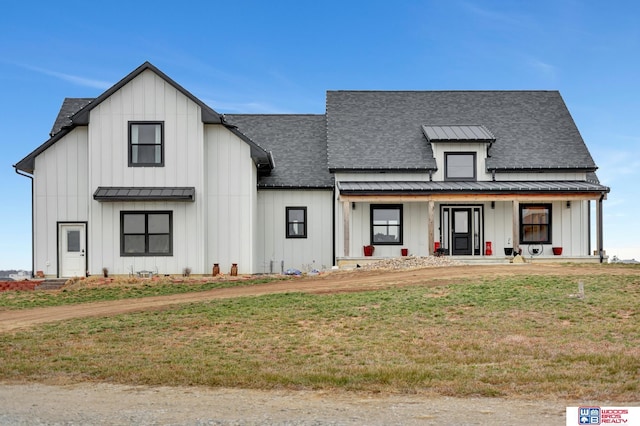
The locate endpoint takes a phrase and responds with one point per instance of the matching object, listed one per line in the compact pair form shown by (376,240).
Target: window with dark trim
(146,233)
(146,144)
(296,222)
(386,224)
(460,166)
(535,223)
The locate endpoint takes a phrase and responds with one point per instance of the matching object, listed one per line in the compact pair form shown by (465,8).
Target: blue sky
(281,57)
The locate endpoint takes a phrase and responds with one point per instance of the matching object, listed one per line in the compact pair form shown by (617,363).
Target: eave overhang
(576,189)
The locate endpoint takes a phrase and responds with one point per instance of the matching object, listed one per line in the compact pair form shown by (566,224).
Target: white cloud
(80,81)
(544,68)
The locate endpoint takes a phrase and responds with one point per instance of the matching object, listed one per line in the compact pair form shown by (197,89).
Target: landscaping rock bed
(18,285)
(409,262)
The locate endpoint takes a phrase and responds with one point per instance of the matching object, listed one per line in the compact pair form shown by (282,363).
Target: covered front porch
(547,223)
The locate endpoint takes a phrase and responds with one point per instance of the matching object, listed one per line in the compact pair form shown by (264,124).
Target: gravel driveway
(105,404)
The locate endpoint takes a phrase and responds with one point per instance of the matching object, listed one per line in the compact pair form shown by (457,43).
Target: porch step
(51,284)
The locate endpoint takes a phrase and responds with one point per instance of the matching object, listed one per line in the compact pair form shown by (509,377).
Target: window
(146,144)
(296,222)
(146,233)
(460,166)
(386,224)
(73,241)
(535,223)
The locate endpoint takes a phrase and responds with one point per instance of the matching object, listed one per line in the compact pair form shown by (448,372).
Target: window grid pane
(535,225)
(145,144)
(146,233)
(296,222)
(386,224)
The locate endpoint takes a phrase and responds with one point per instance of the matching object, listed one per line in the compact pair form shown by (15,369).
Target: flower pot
(404,251)
(557,250)
(368,250)
(508,251)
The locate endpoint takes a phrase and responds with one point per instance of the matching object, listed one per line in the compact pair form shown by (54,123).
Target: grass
(512,337)
(95,289)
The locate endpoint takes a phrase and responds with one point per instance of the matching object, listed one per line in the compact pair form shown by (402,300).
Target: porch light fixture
(353,205)
(568,204)
(493,204)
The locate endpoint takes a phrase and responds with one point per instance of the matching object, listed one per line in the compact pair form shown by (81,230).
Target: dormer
(460,151)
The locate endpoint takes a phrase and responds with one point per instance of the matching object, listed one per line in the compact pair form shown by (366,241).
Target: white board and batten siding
(276,252)
(414,238)
(146,98)
(61,194)
(231,199)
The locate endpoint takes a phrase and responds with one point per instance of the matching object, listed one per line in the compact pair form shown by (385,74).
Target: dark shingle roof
(298,145)
(69,107)
(382,130)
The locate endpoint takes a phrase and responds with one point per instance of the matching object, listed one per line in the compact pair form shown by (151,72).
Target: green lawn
(516,337)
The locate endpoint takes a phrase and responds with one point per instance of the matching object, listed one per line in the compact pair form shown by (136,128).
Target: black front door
(461,236)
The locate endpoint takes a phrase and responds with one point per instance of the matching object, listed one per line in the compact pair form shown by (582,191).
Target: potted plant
(508,251)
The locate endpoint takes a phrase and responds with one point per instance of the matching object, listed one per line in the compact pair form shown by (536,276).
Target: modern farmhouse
(146,177)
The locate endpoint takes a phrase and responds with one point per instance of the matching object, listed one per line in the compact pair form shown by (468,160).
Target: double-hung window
(146,233)
(146,144)
(296,222)
(535,223)
(386,224)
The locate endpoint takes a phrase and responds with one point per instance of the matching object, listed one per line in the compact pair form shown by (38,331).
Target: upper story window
(146,144)
(386,224)
(535,223)
(460,166)
(296,222)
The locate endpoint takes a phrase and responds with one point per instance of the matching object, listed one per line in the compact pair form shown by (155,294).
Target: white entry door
(72,250)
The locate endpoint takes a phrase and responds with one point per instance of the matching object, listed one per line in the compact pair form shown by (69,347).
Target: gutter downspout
(333,224)
(33,247)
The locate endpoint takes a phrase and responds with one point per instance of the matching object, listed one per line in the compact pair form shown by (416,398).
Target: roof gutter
(19,172)
(540,169)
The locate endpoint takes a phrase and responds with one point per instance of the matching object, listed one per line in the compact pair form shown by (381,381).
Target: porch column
(430,227)
(515,231)
(346,219)
(599,234)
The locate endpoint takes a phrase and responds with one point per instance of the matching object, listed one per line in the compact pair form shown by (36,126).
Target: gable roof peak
(209,116)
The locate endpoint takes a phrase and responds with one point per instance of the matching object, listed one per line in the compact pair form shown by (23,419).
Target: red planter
(404,252)
(557,250)
(368,250)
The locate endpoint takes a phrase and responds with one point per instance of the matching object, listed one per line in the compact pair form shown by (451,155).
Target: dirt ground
(95,403)
(333,282)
